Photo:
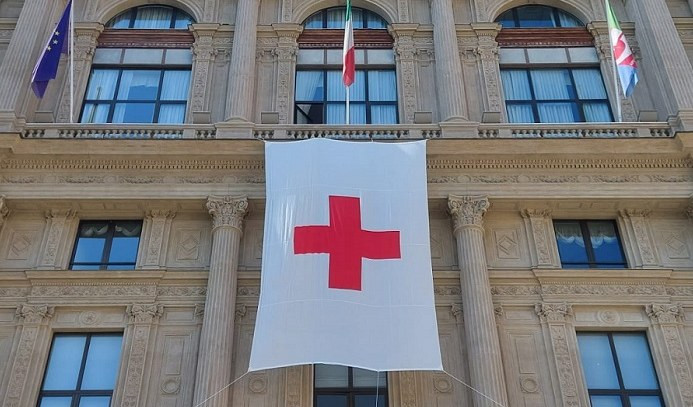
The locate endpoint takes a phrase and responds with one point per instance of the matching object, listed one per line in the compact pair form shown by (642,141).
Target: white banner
(346,263)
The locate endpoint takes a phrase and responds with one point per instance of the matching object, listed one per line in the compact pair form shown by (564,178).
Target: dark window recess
(618,369)
(335,17)
(151,17)
(106,245)
(555,95)
(82,370)
(341,386)
(536,16)
(589,244)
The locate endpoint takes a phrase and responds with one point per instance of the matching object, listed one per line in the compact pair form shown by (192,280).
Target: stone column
(483,346)
(86,36)
(487,52)
(643,253)
(32,347)
(216,340)
(242,67)
(142,318)
(406,68)
(203,58)
(15,71)
(670,352)
(57,238)
(286,51)
(452,103)
(561,345)
(157,227)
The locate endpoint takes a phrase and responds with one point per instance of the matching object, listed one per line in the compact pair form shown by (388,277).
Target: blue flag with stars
(47,66)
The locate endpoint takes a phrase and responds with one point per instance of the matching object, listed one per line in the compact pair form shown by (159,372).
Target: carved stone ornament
(4,210)
(227,210)
(145,313)
(689,210)
(467,210)
(553,312)
(34,314)
(665,313)
(457,312)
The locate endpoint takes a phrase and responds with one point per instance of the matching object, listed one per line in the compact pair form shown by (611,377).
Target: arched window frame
(573,41)
(330,40)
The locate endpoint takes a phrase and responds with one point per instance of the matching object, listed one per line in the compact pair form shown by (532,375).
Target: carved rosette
(665,313)
(553,312)
(467,210)
(227,211)
(34,314)
(144,313)
(4,210)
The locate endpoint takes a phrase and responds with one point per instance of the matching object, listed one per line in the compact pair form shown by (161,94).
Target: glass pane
(55,402)
(635,362)
(102,84)
(506,19)
(153,17)
(179,56)
(314,21)
(102,364)
(311,57)
(356,17)
(385,114)
(64,362)
(520,113)
(102,401)
(334,56)
(375,21)
(606,401)
(336,17)
(583,54)
(175,85)
(133,113)
(121,21)
(89,250)
(368,400)
(605,242)
(382,86)
(558,112)
(139,85)
(337,92)
(597,112)
(336,113)
(381,56)
(143,56)
(551,84)
(589,84)
(368,378)
(309,86)
(645,401)
(571,245)
(172,114)
(331,400)
(107,56)
(125,242)
(568,20)
(516,84)
(309,113)
(182,20)
(331,376)
(95,113)
(547,55)
(597,361)
(536,16)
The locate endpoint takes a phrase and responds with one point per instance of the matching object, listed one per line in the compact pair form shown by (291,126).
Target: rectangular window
(589,244)
(341,386)
(106,245)
(81,371)
(618,370)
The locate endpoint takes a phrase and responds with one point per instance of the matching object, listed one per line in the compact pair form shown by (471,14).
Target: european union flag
(47,66)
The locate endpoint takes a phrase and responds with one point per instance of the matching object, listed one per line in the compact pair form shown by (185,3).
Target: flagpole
(72,62)
(347,104)
(614,71)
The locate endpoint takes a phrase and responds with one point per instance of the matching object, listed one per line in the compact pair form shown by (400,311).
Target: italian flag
(348,69)
(623,56)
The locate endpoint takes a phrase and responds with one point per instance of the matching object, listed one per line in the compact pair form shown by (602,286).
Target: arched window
(550,68)
(141,68)
(320,94)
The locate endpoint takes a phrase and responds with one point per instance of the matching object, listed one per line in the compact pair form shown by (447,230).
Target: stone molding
(665,313)
(142,319)
(204,54)
(539,232)
(553,312)
(643,248)
(227,211)
(689,210)
(157,227)
(35,314)
(467,210)
(144,313)
(55,240)
(4,211)
(405,53)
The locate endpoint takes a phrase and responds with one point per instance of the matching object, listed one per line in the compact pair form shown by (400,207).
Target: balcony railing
(465,130)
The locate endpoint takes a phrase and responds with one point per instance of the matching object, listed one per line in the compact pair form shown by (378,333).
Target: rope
(220,390)
(475,390)
(377,387)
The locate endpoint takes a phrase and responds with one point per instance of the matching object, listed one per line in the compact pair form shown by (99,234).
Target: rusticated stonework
(467,210)
(227,211)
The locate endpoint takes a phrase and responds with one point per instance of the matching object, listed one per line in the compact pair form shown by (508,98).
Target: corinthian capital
(665,313)
(34,314)
(227,210)
(144,313)
(553,312)
(467,210)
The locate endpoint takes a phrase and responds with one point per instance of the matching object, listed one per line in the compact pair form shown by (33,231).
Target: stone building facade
(517,320)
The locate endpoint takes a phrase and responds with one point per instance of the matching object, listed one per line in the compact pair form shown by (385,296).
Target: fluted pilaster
(483,347)
(452,103)
(242,66)
(216,340)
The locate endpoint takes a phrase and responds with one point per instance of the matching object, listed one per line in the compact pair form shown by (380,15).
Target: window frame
(555,13)
(103,265)
(133,17)
(622,392)
(591,263)
(364,19)
(77,394)
(534,102)
(350,391)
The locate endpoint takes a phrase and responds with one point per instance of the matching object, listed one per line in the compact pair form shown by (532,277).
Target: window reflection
(106,245)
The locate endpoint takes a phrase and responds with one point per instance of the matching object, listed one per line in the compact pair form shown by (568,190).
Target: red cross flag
(346,264)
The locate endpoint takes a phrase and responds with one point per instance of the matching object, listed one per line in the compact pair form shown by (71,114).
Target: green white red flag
(623,56)
(348,68)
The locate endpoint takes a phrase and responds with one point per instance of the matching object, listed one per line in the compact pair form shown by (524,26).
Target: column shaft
(483,346)
(242,67)
(452,103)
(216,341)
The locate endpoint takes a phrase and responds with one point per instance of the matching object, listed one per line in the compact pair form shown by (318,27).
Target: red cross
(346,243)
